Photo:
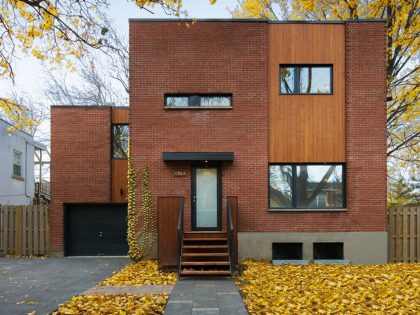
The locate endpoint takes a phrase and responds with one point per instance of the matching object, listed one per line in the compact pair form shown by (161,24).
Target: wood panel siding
(119,180)
(119,168)
(306,128)
(120,115)
(168,213)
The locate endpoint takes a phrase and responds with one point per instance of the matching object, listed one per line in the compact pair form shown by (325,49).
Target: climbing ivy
(141,225)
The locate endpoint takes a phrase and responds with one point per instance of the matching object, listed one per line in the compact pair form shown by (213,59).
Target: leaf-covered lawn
(330,289)
(142,304)
(144,272)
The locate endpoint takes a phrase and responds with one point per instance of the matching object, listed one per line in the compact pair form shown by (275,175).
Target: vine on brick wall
(141,225)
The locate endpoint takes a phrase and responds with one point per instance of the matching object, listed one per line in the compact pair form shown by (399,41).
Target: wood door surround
(307,128)
(119,167)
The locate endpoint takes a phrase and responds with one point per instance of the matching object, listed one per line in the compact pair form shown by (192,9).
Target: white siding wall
(15,191)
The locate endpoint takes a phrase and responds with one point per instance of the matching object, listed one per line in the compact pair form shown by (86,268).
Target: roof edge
(89,106)
(256,21)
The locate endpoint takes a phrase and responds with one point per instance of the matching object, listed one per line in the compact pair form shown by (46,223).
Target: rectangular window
(17,164)
(198,101)
(120,141)
(306,79)
(306,186)
(287,251)
(328,251)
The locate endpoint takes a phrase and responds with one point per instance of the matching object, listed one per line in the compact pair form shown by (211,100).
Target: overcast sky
(29,72)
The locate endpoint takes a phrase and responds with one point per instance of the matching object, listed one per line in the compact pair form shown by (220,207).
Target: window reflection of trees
(120,141)
(316,186)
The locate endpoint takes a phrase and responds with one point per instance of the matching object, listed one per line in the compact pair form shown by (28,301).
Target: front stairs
(205,254)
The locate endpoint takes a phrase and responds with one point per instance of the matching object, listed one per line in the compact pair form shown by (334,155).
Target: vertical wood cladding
(119,168)
(306,128)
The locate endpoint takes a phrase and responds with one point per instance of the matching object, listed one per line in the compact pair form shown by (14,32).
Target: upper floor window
(119,141)
(306,186)
(215,101)
(17,164)
(306,79)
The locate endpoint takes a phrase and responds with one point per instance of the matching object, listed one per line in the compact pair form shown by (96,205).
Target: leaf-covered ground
(145,272)
(144,304)
(330,289)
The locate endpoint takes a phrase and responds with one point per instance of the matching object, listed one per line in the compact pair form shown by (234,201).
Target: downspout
(26,171)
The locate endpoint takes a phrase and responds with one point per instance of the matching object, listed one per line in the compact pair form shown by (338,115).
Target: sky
(30,74)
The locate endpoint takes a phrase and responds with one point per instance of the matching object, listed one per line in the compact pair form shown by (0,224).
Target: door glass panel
(206,197)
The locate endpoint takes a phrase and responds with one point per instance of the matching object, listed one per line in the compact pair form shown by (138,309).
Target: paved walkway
(40,285)
(210,297)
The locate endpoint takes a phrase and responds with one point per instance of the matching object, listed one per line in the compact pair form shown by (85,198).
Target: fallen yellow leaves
(330,289)
(144,272)
(114,304)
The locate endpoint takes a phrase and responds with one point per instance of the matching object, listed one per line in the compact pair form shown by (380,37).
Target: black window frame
(112,141)
(317,250)
(296,77)
(192,100)
(294,188)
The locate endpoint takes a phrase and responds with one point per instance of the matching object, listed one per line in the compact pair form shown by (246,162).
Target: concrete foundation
(359,247)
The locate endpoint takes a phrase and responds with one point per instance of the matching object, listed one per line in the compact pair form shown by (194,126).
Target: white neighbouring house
(17,150)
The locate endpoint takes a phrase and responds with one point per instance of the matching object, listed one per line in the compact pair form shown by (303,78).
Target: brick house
(287,121)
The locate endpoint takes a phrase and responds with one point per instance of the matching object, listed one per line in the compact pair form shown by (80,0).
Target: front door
(206,198)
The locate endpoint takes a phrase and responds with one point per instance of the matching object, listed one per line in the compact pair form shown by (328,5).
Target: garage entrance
(96,230)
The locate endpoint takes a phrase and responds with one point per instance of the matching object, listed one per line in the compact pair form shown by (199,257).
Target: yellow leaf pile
(141,273)
(330,289)
(114,304)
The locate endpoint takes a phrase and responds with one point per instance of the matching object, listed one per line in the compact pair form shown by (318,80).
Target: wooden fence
(404,234)
(24,230)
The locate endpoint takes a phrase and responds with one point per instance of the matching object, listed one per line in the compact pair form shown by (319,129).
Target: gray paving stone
(206,297)
(49,282)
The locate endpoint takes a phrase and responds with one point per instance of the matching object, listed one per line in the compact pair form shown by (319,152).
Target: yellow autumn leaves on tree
(330,289)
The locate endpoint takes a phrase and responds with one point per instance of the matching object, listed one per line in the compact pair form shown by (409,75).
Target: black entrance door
(206,198)
(96,230)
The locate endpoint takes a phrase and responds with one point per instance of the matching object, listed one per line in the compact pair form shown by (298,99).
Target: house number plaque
(180,174)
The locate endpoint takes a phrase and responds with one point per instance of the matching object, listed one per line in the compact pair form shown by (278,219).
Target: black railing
(230,234)
(42,189)
(180,233)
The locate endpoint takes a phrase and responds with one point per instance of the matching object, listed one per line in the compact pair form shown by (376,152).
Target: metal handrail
(180,233)
(230,234)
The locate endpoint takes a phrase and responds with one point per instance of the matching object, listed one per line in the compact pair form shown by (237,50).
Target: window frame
(112,140)
(296,78)
(198,96)
(18,176)
(294,188)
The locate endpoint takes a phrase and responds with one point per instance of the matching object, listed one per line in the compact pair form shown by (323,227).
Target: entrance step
(205,273)
(205,254)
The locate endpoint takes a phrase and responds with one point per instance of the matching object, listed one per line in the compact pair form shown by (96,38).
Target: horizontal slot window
(306,79)
(306,186)
(198,101)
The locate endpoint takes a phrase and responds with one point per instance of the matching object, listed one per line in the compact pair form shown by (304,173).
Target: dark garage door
(96,230)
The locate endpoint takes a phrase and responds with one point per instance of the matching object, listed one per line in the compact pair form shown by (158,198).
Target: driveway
(40,285)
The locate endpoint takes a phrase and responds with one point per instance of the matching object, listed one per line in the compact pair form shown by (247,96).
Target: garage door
(96,230)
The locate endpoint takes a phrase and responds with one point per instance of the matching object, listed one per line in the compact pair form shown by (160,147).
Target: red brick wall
(168,57)
(366,123)
(207,57)
(80,154)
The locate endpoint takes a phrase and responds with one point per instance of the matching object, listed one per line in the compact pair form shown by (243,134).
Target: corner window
(17,164)
(306,186)
(305,79)
(185,101)
(119,141)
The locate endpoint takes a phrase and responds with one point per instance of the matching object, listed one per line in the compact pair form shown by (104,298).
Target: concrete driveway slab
(40,285)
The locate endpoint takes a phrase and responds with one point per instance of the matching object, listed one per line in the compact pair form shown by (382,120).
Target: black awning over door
(198,156)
